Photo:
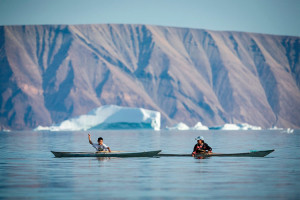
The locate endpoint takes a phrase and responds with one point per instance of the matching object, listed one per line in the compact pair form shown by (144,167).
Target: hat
(199,138)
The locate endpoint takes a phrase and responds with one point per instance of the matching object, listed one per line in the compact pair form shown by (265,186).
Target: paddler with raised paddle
(100,146)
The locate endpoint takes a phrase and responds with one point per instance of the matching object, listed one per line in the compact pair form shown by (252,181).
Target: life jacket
(199,149)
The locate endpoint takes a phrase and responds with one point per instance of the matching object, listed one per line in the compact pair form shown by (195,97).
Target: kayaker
(201,146)
(100,146)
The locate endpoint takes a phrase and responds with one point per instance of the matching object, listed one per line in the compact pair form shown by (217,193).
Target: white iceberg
(230,127)
(288,131)
(274,128)
(243,126)
(199,126)
(110,117)
(180,126)
(183,127)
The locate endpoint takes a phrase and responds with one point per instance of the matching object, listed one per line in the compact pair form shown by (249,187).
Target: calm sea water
(28,170)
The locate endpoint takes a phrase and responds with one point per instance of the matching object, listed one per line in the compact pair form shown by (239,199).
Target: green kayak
(106,154)
(247,154)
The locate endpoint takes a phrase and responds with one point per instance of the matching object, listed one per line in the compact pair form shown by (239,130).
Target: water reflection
(103,159)
(202,157)
(29,170)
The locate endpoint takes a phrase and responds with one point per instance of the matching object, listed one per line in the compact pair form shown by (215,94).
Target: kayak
(247,154)
(106,154)
(157,153)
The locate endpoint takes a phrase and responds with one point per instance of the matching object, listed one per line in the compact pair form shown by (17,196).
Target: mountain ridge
(54,72)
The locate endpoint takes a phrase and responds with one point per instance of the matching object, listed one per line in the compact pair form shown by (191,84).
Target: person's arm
(107,147)
(208,148)
(195,149)
(90,141)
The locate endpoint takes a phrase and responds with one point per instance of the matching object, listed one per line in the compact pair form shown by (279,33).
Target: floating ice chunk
(110,117)
(289,130)
(276,128)
(180,126)
(243,126)
(42,128)
(230,127)
(199,126)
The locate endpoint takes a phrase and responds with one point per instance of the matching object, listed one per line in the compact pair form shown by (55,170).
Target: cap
(199,138)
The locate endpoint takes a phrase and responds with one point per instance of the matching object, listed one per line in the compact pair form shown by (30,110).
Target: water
(28,170)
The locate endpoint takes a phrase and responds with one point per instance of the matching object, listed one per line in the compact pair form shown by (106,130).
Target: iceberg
(275,128)
(110,117)
(180,126)
(199,126)
(231,127)
(183,127)
(243,126)
(288,130)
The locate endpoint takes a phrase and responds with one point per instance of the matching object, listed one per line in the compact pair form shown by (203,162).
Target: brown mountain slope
(51,73)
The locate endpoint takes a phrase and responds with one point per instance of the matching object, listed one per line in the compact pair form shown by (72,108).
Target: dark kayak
(106,154)
(248,154)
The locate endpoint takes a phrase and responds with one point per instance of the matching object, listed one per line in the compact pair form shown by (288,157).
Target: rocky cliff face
(51,73)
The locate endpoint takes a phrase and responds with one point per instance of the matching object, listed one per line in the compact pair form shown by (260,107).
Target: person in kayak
(201,146)
(100,146)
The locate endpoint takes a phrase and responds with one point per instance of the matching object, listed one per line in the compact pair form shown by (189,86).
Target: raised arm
(90,141)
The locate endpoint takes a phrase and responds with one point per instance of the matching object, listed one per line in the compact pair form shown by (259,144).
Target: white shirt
(102,147)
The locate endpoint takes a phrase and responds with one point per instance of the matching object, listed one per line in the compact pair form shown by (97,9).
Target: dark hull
(106,154)
(248,154)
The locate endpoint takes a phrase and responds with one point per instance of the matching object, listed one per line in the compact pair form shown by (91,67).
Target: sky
(279,17)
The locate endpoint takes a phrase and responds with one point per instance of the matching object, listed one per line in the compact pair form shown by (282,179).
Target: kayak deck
(157,153)
(106,154)
(248,154)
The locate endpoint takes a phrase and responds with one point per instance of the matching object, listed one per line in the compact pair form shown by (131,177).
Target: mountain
(50,73)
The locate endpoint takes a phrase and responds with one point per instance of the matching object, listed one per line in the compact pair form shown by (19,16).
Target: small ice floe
(183,127)
(289,131)
(199,126)
(275,128)
(231,127)
(180,126)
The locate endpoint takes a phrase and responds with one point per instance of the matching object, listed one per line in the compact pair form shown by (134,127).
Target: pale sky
(280,17)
